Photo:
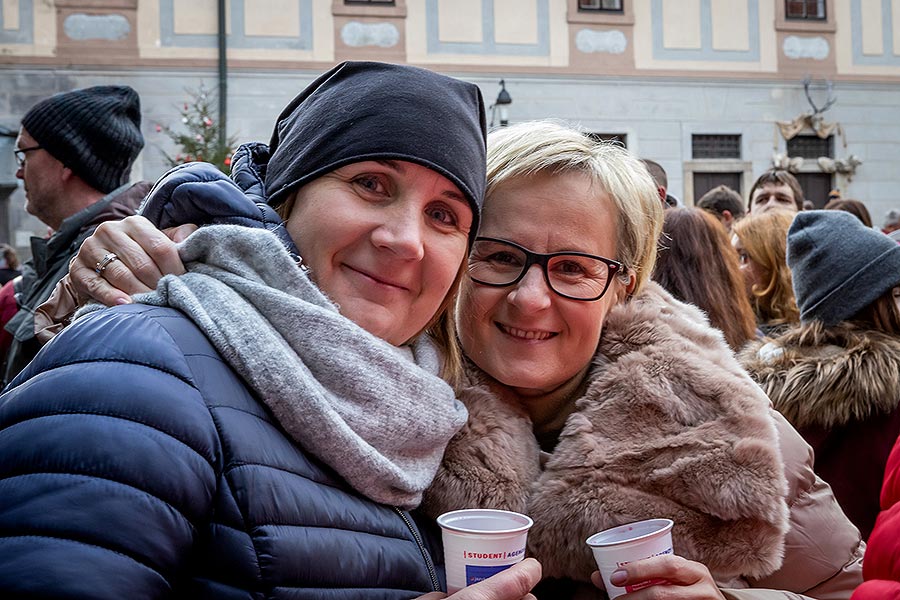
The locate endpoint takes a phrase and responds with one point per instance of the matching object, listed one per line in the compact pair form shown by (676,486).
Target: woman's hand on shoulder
(685,579)
(143,255)
(514,583)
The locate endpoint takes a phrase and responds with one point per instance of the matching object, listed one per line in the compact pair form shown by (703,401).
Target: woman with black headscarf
(259,426)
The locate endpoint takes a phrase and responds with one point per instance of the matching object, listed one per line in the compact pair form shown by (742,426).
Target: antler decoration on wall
(812,120)
(816,122)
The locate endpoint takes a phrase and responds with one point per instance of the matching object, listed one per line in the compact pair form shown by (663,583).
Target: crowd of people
(272,384)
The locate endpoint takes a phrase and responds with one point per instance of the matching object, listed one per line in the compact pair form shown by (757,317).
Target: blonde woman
(760,241)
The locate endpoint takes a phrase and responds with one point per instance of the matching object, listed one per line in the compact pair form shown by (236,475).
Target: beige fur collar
(670,426)
(828,377)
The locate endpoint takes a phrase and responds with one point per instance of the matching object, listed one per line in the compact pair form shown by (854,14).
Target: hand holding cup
(684,579)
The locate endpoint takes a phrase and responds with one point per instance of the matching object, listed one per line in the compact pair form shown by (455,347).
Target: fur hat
(361,111)
(95,132)
(839,266)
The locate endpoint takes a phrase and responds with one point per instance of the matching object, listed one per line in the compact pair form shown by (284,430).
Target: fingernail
(618,577)
(121,301)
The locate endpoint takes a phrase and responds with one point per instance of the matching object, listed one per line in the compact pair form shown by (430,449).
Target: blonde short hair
(539,147)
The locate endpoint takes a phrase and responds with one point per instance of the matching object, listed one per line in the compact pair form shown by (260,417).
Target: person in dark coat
(74,154)
(260,426)
(835,376)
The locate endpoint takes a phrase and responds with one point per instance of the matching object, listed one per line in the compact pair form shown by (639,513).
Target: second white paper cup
(621,545)
(480,542)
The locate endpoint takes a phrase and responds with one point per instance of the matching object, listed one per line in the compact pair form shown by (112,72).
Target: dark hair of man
(777,177)
(854,207)
(656,172)
(722,198)
(698,265)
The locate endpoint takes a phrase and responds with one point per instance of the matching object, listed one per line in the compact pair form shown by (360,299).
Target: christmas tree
(201,140)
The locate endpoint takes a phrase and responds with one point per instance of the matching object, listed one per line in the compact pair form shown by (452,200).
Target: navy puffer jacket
(134,463)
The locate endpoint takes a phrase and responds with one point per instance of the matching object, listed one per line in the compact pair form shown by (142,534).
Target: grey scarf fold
(375,413)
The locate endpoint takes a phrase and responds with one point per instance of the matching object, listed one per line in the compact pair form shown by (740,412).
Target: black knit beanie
(838,265)
(361,111)
(95,131)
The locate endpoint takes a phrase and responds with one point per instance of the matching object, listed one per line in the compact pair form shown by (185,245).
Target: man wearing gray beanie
(74,154)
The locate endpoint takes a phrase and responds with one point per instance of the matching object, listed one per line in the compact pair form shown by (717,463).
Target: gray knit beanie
(95,131)
(839,266)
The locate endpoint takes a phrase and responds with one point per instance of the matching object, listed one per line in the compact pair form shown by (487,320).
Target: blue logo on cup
(476,573)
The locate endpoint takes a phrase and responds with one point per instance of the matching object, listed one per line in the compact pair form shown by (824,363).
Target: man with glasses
(74,154)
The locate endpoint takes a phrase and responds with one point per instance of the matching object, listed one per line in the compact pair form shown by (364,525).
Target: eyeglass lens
(573,275)
(22,153)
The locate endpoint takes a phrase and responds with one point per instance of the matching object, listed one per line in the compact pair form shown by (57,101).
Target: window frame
(806,4)
(731,136)
(351,8)
(622,18)
(619,11)
(826,25)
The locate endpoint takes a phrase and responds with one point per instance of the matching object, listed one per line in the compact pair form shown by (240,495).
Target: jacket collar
(828,377)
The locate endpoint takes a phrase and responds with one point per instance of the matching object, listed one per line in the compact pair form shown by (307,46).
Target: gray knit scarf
(366,408)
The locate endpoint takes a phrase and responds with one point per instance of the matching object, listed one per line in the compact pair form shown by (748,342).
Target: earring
(300,263)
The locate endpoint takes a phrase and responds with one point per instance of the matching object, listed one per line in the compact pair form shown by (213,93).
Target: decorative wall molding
(357,35)
(237,38)
(488,45)
(796,47)
(608,42)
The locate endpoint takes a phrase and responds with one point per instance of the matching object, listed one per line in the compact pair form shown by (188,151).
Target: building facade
(716,91)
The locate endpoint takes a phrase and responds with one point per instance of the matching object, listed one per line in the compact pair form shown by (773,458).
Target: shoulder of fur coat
(850,375)
(670,426)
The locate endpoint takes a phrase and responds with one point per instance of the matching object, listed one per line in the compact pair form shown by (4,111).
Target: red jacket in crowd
(881,565)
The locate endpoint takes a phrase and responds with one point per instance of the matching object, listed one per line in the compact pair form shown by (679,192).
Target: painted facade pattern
(859,37)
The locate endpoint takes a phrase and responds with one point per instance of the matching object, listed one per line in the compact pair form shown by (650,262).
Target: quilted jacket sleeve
(199,193)
(109,462)
(823,550)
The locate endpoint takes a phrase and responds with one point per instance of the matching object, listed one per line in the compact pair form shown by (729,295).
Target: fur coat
(839,387)
(670,426)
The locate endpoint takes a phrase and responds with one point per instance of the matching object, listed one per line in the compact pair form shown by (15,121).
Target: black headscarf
(362,111)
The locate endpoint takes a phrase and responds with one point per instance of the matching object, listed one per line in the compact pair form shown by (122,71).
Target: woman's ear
(626,289)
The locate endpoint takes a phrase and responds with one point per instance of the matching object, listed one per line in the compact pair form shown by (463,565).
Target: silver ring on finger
(104,262)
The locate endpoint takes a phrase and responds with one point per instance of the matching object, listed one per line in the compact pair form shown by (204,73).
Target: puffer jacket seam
(107,480)
(94,360)
(112,416)
(82,543)
(238,465)
(226,470)
(333,527)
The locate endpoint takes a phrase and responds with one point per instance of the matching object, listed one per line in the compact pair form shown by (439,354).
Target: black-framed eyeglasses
(573,275)
(21,154)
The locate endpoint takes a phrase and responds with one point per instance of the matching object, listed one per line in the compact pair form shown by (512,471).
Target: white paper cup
(480,542)
(621,545)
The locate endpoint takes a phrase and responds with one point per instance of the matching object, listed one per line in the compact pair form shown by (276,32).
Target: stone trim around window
(722,165)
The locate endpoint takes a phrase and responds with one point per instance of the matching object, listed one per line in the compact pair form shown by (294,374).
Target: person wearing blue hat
(836,376)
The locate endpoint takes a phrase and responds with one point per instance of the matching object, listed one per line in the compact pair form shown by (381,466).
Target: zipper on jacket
(412,529)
